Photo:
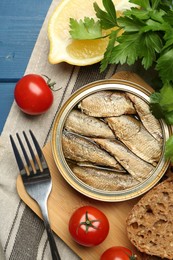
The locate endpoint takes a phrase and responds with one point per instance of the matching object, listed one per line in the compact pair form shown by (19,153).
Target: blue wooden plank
(20,23)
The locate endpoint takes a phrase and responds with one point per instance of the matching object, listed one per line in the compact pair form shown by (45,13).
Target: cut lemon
(76,52)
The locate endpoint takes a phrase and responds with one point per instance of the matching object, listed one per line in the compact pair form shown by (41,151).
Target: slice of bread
(150,222)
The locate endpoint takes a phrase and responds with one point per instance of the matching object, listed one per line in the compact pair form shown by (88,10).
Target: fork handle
(53,247)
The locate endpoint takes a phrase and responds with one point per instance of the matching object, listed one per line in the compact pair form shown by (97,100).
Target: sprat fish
(106,104)
(149,121)
(103,179)
(86,125)
(80,149)
(133,134)
(138,168)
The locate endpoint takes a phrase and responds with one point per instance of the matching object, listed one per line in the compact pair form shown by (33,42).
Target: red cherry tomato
(33,95)
(88,226)
(118,253)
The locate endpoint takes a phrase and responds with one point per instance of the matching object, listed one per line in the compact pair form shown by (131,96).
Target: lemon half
(76,52)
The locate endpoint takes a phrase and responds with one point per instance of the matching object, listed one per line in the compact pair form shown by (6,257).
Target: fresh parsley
(147,34)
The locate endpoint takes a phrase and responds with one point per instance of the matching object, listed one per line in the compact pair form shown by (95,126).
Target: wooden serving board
(64,200)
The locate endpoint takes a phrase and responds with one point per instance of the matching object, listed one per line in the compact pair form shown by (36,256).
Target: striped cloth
(22,233)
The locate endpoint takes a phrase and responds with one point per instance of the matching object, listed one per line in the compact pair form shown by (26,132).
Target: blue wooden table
(20,23)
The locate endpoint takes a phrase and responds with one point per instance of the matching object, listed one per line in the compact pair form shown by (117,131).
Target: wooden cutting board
(64,200)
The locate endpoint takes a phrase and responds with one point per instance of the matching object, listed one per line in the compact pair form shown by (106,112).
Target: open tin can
(60,160)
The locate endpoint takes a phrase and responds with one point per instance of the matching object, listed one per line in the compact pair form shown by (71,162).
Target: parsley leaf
(166,5)
(138,13)
(168,17)
(169,118)
(164,66)
(155,106)
(166,100)
(168,149)
(130,25)
(155,26)
(108,18)
(161,103)
(144,4)
(155,3)
(168,40)
(87,29)
(157,15)
(127,50)
(133,46)
(150,45)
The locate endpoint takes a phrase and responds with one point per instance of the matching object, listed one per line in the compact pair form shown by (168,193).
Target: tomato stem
(132,257)
(88,223)
(51,84)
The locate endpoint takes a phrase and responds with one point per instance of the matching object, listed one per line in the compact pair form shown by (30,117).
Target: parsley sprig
(147,36)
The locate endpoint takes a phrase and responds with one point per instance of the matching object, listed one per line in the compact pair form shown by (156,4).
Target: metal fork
(37,181)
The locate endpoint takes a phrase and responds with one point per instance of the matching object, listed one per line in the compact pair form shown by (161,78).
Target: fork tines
(37,180)
(38,163)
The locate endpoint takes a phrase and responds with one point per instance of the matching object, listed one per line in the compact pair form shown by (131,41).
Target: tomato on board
(33,94)
(88,226)
(118,253)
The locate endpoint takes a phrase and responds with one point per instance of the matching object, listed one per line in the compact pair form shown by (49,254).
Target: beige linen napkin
(22,233)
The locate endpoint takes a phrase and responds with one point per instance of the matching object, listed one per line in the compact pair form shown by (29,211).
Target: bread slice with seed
(150,222)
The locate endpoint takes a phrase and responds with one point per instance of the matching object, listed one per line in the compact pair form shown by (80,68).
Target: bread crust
(150,222)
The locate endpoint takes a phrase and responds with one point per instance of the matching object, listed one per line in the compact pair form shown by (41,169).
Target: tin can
(57,150)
